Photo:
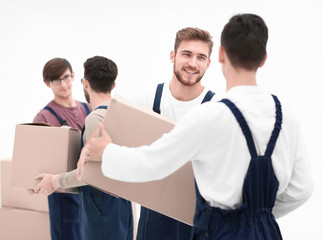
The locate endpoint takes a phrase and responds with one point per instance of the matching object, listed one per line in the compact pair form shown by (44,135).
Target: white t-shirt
(170,107)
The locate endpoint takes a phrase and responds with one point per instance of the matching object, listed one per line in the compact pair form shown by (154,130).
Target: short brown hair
(190,33)
(54,68)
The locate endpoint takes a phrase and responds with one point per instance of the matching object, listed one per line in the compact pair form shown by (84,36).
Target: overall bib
(64,207)
(156,226)
(253,220)
(102,216)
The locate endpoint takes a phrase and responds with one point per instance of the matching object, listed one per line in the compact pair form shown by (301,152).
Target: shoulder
(94,117)
(84,107)
(42,114)
(145,95)
(83,104)
(40,117)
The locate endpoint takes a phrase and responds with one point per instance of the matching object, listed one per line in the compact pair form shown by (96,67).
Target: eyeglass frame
(67,78)
(82,79)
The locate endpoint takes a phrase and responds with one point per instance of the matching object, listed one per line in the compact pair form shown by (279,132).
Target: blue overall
(102,216)
(64,207)
(253,220)
(153,225)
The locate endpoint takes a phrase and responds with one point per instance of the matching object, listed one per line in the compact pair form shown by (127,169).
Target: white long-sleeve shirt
(212,139)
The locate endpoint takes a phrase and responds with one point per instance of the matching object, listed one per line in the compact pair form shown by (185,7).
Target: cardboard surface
(131,125)
(16,197)
(18,224)
(43,149)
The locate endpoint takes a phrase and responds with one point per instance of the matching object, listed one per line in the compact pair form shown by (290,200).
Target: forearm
(66,180)
(148,163)
(285,204)
(299,189)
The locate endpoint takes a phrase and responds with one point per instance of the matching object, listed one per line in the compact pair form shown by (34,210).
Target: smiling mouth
(190,71)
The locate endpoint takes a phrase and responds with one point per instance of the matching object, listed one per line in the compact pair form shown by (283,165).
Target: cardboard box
(131,125)
(17,224)
(41,148)
(16,197)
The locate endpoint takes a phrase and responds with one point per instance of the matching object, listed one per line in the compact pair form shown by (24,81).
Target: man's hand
(45,186)
(94,148)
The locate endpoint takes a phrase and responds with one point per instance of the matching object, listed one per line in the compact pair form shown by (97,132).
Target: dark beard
(87,97)
(178,76)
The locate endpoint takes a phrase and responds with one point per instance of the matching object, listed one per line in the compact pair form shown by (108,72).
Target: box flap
(44,124)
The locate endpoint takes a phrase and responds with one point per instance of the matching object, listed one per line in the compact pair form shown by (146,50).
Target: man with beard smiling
(173,99)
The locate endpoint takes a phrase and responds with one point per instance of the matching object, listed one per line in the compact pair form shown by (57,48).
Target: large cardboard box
(18,224)
(16,197)
(41,148)
(131,125)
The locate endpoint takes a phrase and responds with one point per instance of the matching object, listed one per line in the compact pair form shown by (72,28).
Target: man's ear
(85,83)
(48,84)
(172,56)
(263,61)
(114,85)
(209,62)
(73,75)
(221,54)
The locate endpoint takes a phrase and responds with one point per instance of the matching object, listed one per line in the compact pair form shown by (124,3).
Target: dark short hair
(54,68)
(244,39)
(190,33)
(101,73)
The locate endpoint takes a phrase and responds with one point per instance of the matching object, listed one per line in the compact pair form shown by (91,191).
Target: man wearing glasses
(62,110)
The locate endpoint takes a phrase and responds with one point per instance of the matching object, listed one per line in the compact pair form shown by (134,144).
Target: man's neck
(66,102)
(240,77)
(185,93)
(97,99)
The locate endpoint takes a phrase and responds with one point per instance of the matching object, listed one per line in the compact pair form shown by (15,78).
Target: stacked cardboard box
(22,215)
(17,197)
(17,224)
(38,148)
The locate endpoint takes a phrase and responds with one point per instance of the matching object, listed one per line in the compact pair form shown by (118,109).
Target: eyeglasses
(82,79)
(66,79)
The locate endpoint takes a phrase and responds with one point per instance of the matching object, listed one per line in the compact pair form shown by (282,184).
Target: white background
(138,36)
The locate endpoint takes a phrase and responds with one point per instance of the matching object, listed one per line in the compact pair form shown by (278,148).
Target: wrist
(55,182)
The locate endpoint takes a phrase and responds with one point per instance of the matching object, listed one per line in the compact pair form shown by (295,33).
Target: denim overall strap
(158,95)
(83,129)
(244,126)
(62,121)
(87,110)
(276,131)
(260,169)
(101,107)
(208,96)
